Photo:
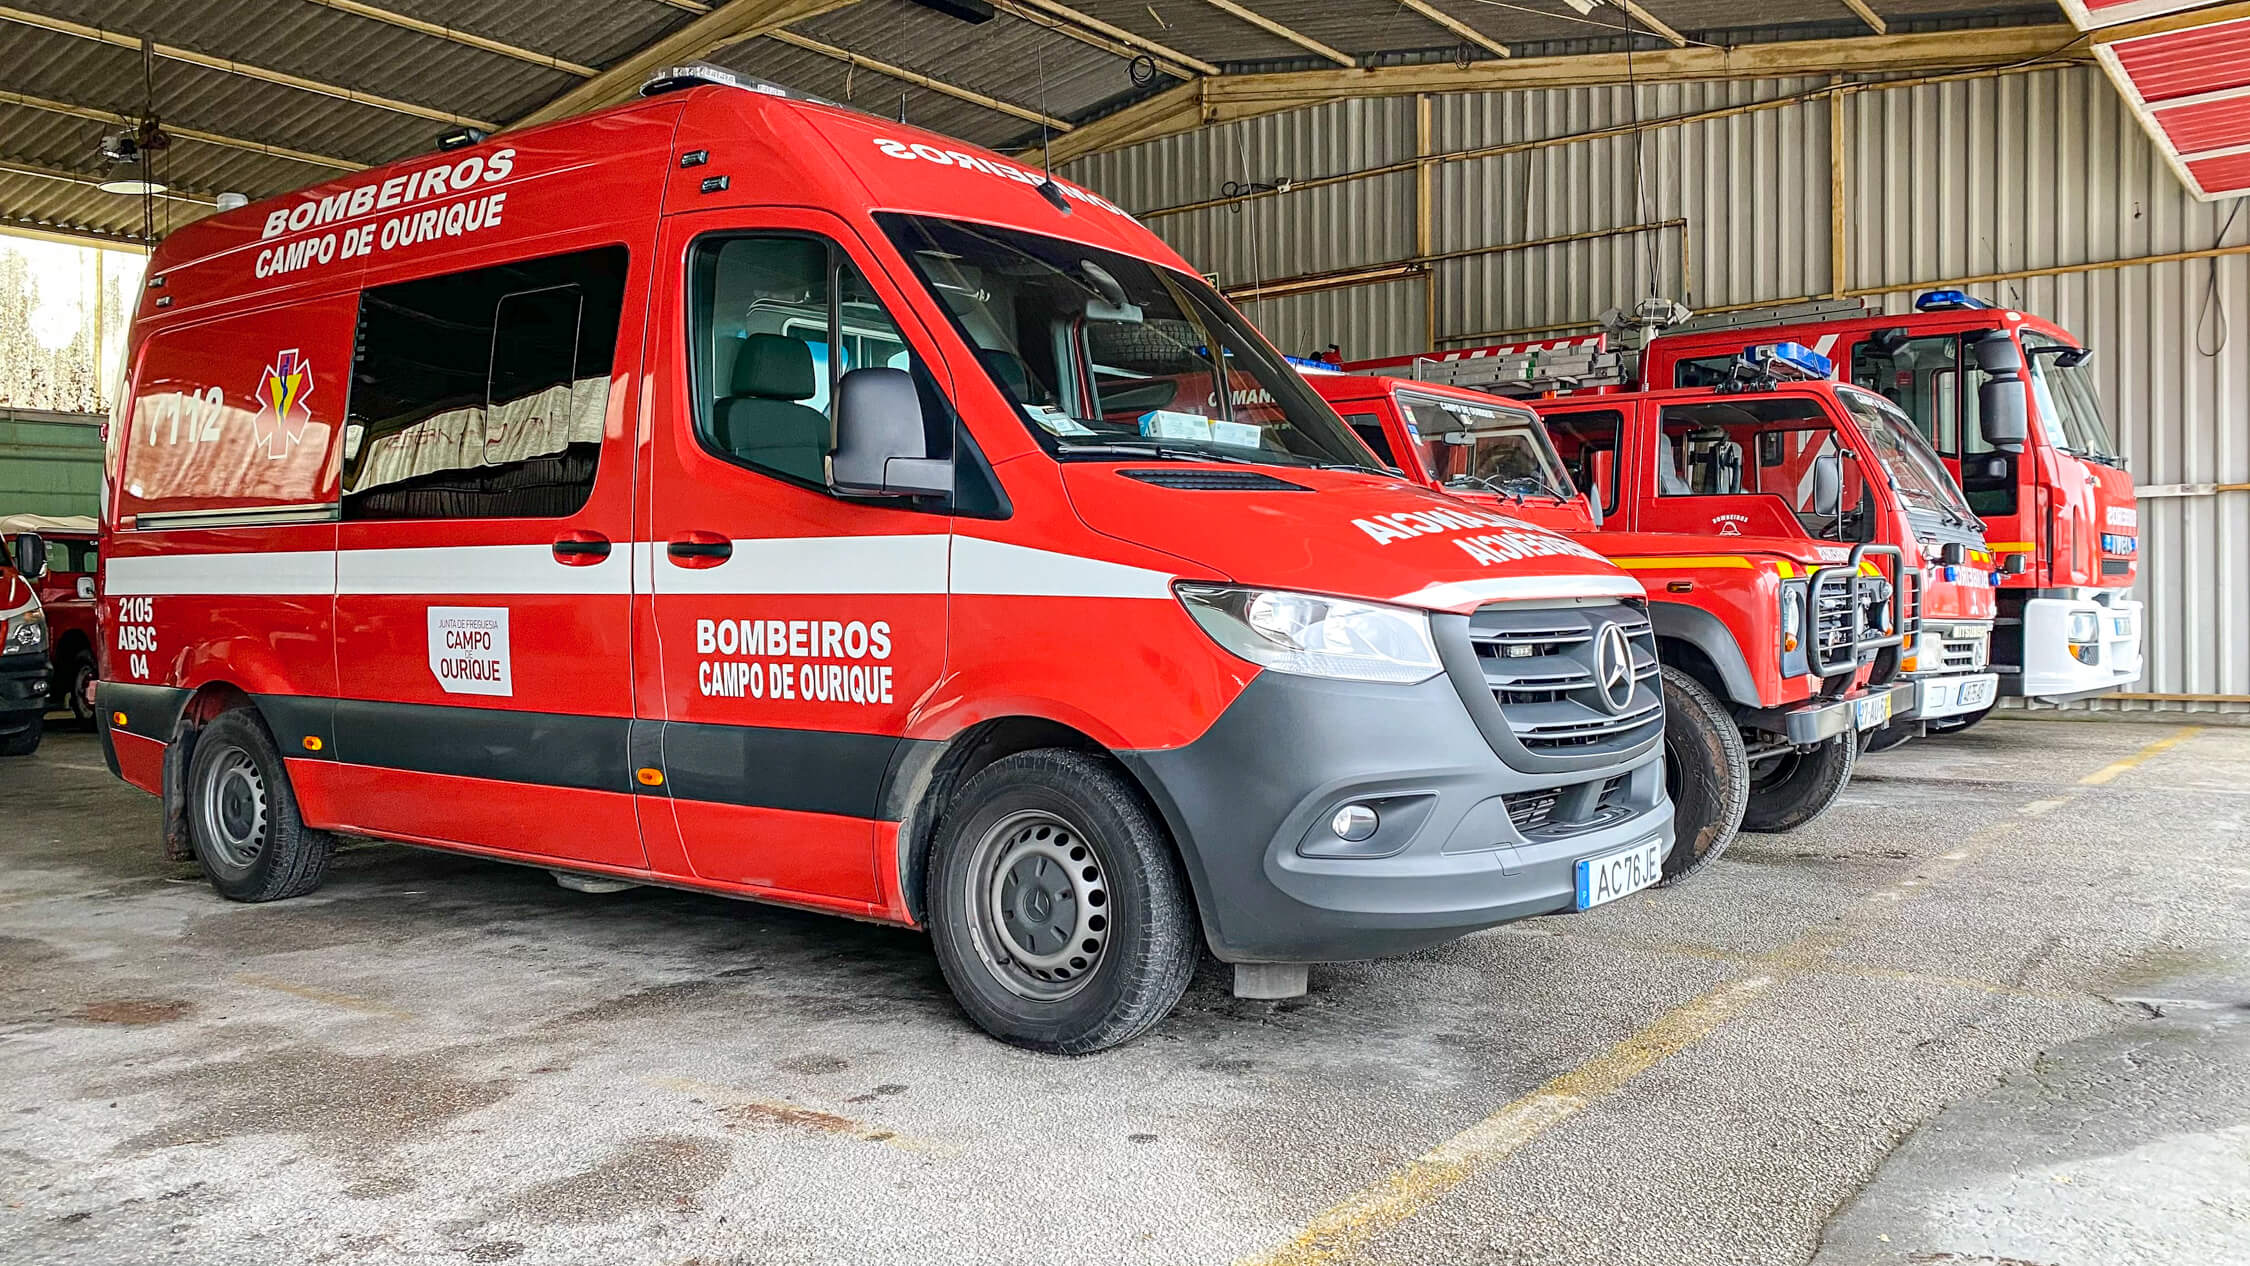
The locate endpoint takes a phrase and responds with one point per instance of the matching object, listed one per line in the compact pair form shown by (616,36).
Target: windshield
(1106,355)
(2066,397)
(1488,448)
(1916,474)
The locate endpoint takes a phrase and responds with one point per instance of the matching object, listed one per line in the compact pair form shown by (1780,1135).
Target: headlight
(1792,619)
(1314,636)
(2085,626)
(26,631)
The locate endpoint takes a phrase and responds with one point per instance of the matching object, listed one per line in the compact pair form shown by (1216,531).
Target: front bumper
(2051,671)
(1956,694)
(1817,721)
(1250,803)
(23,690)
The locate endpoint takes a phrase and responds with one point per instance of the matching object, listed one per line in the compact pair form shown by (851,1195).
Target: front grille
(1962,654)
(1541,666)
(1834,626)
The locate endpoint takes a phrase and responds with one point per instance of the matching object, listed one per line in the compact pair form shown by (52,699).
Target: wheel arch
(198,708)
(1696,642)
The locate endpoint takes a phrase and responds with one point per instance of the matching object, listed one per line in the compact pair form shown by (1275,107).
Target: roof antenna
(1048,189)
(902,107)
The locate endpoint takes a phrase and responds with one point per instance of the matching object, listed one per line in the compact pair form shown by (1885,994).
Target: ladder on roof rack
(1516,369)
(1778,314)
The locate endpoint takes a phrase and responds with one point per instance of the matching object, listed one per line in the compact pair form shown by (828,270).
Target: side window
(775,322)
(1588,445)
(1369,428)
(482,394)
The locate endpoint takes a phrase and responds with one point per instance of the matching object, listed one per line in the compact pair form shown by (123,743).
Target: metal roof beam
(919,79)
(1654,24)
(454,35)
(10,166)
(1291,34)
(48,231)
(173,52)
(1458,27)
(1089,29)
(112,117)
(1228,97)
(729,23)
(1868,15)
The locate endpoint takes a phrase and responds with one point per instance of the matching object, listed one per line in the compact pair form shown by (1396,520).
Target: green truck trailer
(50,463)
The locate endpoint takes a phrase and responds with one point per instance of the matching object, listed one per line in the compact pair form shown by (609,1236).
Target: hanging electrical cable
(2212,312)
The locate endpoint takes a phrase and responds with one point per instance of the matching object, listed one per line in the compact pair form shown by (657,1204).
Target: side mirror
(2015,564)
(1594,507)
(1827,484)
(2002,413)
(31,555)
(86,588)
(1953,554)
(882,449)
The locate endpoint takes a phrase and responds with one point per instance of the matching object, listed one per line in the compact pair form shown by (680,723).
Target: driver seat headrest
(773,367)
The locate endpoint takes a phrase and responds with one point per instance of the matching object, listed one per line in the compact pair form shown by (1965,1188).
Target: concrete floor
(1991,1010)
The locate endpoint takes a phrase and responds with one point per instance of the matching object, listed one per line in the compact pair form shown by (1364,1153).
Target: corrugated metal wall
(1943,181)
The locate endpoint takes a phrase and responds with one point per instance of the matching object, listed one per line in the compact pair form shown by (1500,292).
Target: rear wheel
(1705,771)
(242,815)
(24,741)
(1057,906)
(1793,788)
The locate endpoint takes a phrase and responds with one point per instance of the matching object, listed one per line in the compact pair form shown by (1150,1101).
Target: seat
(1726,467)
(761,421)
(1668,480)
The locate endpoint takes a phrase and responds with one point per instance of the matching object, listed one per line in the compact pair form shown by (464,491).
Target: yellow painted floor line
(1344,1227)
(349,1002)
(2165,744)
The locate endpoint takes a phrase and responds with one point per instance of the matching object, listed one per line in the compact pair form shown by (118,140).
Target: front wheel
(1706,772)
(24,741)
(75,682)
(242,815)
(1793,788)
(1057,907)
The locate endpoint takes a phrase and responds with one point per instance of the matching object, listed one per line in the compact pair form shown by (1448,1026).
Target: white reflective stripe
(279,573)
(1825,345)
(994,568)
(476,569)
(812,564)
(913,564)
(1461,593)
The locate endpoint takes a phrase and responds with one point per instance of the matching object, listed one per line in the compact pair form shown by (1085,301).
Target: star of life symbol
(282,412)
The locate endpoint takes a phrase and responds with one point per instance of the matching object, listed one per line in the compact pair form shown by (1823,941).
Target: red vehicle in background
(23,645)
(1763,713)
(2058,504)
(68,593)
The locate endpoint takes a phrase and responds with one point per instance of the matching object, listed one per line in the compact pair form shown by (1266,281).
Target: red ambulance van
(745,494)
(23,645)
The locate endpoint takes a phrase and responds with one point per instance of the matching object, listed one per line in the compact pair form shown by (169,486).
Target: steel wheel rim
(233,809)
(81,693)
(1038,903)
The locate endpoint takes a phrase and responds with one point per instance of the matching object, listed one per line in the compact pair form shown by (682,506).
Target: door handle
(699,549)
(580,548)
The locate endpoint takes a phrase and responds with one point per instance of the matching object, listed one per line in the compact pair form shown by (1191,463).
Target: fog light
(1354,822)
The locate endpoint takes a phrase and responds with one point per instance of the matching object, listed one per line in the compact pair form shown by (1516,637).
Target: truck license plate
(1976,694)
(1618,874)
(1872,712)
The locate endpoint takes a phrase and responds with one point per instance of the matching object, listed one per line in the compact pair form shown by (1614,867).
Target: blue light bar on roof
(1946,301)
(1788,361)
(1307,365)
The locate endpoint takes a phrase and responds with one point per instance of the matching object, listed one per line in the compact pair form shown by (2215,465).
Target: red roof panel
(2223,175)
(2207,124)
(2184,63)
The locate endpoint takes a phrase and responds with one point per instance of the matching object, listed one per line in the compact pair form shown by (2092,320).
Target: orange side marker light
(117,718)
(313,743)
(650,777)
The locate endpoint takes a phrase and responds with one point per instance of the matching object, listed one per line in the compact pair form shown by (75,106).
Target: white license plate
(1614,875)
(1872,712)
(1976,694)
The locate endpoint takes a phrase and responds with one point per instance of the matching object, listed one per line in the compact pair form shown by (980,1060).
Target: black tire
(72,678)
(25,741)
(242,815)
(1955,725)
(1024,829)
(1887,737)
(1706,772)
(1791,789)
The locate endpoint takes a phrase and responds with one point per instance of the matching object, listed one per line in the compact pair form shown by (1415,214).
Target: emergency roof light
(1792,362)
(1308,365)
(1947,301)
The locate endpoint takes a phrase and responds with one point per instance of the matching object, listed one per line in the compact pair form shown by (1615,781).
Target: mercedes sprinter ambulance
(744,494)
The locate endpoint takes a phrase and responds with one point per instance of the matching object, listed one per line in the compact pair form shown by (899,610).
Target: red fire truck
(23,645)
(745,494)
(67,593)
(1763,715)
(2058,503)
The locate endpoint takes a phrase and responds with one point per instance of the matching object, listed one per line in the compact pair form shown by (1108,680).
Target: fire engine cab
(1772,626)
(2057,500)
(23,645)
(736,492)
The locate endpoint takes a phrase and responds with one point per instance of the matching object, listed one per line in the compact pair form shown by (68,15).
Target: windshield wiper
(1113,450)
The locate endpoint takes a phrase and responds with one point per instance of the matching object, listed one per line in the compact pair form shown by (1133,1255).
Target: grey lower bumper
(1819,722)
(23,690)
(1250,803)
